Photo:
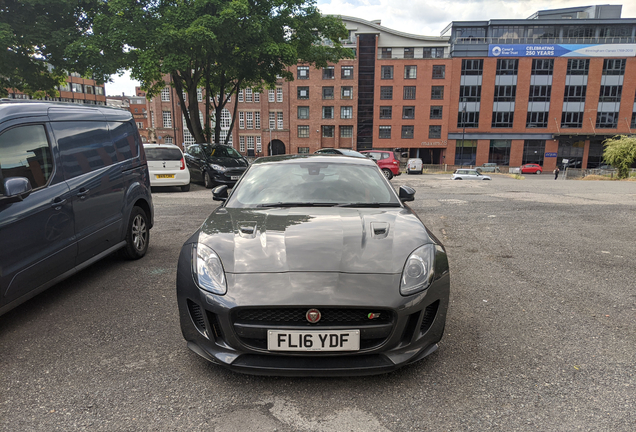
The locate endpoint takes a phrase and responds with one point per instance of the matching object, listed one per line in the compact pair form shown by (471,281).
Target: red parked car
(387,161)
(531,169)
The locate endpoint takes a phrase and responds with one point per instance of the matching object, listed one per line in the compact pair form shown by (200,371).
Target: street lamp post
(463,134)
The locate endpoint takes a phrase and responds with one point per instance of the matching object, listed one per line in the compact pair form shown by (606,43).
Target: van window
(84,147)
(125,138)
(25,152)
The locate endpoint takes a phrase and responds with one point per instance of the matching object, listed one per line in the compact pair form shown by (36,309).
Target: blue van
(74,188)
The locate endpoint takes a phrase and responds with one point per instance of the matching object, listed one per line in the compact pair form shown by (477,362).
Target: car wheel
(538,172)
(207,181)
(137,235)
(185,188)
(387,173)
(458,178)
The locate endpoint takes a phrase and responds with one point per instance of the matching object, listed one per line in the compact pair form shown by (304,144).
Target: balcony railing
(400,56)
(551,40)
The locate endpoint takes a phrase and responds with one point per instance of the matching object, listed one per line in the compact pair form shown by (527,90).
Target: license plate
(234,177)
(165,176)
(301,340)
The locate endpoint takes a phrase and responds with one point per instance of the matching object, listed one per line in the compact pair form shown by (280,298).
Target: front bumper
(210,326)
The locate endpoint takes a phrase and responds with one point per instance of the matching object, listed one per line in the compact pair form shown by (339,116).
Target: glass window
(25,152)
(614,67)
(499,152)
(435,131)
(327,92)
(572,120)
(410,72)
(409,53)
(386,92)
(472,67)
(386,53)
(409,93)
(327,112)
(533,152)
(303,92)
(504,93)
(328,72)
(407,132)
(240,96)
(241,120)
(248,95)
(542,66)
(439,71)
(279,94)
(436,112)
(303,112)
(84,147)
(249,120)
(386,112)
(346,112)
(302,72)
(437,92)
(346,92)
(346,131)
(468,119)
(271,95)
(578,66)
(303,150)
(385,131)
(607,120)
(470,93)
(540,93)
(346,72)
(502,119)
(165,94)
(328,131)
(408,112)
(465,152)
(537,119)
(386,72)
(507,66)
(167,119)
(433,53)
(303,131)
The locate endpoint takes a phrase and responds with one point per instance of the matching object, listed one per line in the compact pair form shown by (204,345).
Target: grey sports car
(313,265)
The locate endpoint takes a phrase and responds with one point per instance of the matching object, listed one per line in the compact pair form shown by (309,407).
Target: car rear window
(163,154)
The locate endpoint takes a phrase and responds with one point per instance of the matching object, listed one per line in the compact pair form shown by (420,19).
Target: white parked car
(167,166)
(469,174)
(414,166)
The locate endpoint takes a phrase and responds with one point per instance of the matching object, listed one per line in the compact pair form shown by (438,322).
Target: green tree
(39,41)
(620,152)
(220,45)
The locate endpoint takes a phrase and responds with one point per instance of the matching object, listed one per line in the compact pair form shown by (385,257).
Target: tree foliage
(42,40)
(220,45)
(620,152)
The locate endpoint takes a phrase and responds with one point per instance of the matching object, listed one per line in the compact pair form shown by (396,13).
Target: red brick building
(75,90)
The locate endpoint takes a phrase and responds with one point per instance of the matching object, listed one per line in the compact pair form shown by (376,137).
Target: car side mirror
(16,189)
(219,193)
(407,193)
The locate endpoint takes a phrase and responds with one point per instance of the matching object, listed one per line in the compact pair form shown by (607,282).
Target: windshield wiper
(370,205)
(297,204)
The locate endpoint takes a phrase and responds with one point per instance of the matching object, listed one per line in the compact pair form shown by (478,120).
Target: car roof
(60,111)
(309,158)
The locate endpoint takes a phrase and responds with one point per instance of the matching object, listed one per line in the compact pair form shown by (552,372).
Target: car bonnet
(314,239)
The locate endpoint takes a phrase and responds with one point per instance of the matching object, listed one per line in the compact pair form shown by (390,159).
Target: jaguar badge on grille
(313,315)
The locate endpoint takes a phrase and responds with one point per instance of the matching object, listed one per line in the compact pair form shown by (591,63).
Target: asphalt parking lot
(541,330)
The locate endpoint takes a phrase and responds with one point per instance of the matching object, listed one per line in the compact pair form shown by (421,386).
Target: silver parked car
(469,174)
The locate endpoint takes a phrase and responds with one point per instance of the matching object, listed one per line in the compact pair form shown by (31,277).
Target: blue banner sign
(561,50)
(550,155)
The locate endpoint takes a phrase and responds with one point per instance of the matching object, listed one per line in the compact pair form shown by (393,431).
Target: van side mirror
(16,189)
(219,193)
(407,194)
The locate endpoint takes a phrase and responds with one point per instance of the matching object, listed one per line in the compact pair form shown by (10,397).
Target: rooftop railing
(550,40)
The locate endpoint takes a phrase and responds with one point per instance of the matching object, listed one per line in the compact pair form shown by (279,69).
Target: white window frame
(272,120)
(259,146)
(257,120)
(249,120)
(167,119)
(165,94)
(271,95)
(240,96)
(248,95)
(279,118)
(279,94)
(242,144)
(241,120)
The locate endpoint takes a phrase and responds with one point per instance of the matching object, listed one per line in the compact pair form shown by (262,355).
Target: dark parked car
(214,164)
(74,187)
(313,265)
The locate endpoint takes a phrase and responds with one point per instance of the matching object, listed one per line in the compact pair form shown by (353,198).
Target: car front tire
(207,181)
(387,173)
(538,172)
(137,235)
(185,188)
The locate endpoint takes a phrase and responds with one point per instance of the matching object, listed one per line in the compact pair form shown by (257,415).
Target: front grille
(333,316)
(251,325)
(234,172)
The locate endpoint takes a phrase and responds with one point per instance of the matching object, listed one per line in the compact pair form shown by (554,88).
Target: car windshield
(219,151)
(162,154)
(291,184)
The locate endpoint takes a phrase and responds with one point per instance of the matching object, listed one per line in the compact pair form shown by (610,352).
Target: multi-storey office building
(76,90)
(544,89)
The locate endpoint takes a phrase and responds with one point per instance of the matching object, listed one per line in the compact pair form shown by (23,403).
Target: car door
(95,180)
(193,162)
(37,239)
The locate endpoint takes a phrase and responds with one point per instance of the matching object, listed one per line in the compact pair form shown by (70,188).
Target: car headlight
(210,273)
(218,168)
(418,270)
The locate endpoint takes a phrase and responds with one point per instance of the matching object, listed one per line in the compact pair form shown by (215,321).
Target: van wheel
(207,181)
(387,173)
(185,188)
(137,235)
